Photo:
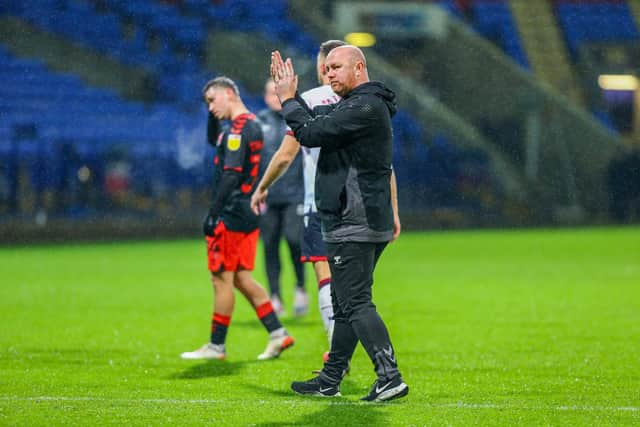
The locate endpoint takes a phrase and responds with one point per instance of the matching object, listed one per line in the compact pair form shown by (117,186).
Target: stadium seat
(493,19)
(164,39)
(595,21)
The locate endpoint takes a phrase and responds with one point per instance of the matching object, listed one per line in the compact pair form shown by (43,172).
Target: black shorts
(313,247)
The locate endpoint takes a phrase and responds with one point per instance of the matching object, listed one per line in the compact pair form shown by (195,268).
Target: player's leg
(223,297)
(292,227)
(323,278)
(314,250)
(223,303)
(279,339)
(343,344)
(271,230)
(352,265)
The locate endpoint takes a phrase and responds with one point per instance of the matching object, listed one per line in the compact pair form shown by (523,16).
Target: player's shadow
(75,356)
(286,321)
(286,392)
(211,368)
(337,412)
(266,390)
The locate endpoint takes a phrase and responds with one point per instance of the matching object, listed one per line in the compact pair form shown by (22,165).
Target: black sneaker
(387,390)
(315,387)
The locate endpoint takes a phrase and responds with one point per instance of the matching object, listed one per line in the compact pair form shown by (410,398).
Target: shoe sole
(317,394)
(394,393)
(201,358)
(287,343)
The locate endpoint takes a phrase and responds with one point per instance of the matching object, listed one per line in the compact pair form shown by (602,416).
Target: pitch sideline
(461,405)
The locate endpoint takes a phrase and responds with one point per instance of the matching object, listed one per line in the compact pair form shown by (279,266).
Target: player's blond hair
(221,81)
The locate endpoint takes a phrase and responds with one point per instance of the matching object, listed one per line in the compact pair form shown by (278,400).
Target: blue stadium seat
(494,20)
(595,21)
(165,41)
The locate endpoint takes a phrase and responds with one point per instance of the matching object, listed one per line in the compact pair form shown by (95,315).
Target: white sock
(326,309)
(278,333)
(217,347)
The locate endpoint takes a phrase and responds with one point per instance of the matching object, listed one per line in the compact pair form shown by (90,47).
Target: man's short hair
(329,45)
(221,81)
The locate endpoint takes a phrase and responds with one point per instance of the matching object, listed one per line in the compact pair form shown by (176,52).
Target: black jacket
(354,168)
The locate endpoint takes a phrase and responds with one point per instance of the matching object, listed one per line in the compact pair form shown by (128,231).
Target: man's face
(217,100)
(271,97)
(340,71)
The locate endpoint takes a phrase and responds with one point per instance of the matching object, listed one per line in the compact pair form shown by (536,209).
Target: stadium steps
(635,9)
(495,21)
(545,48)
(251,68)
(634,139)
(62,55)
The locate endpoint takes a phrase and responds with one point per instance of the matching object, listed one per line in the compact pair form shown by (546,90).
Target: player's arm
(229,181)
(213,129)
(278,165)
(394,205)
(326,129)
(231,178)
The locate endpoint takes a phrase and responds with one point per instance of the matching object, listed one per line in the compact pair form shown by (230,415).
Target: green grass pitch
(509,328)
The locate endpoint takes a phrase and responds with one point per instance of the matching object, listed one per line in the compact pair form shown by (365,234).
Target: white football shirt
(322,95)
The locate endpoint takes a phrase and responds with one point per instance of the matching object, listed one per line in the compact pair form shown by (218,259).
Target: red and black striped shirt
(238,149)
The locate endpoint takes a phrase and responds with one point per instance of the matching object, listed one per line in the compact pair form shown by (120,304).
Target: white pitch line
(576,408)
(109,399)
(461,405)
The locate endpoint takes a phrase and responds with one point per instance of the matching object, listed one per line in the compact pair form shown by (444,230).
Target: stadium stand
(169,40)
(590,21)
(70,125)
(165,39)
(492,19)
(600,22)
(582,21)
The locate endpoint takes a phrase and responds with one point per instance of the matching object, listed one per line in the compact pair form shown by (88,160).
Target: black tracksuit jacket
(354,168)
